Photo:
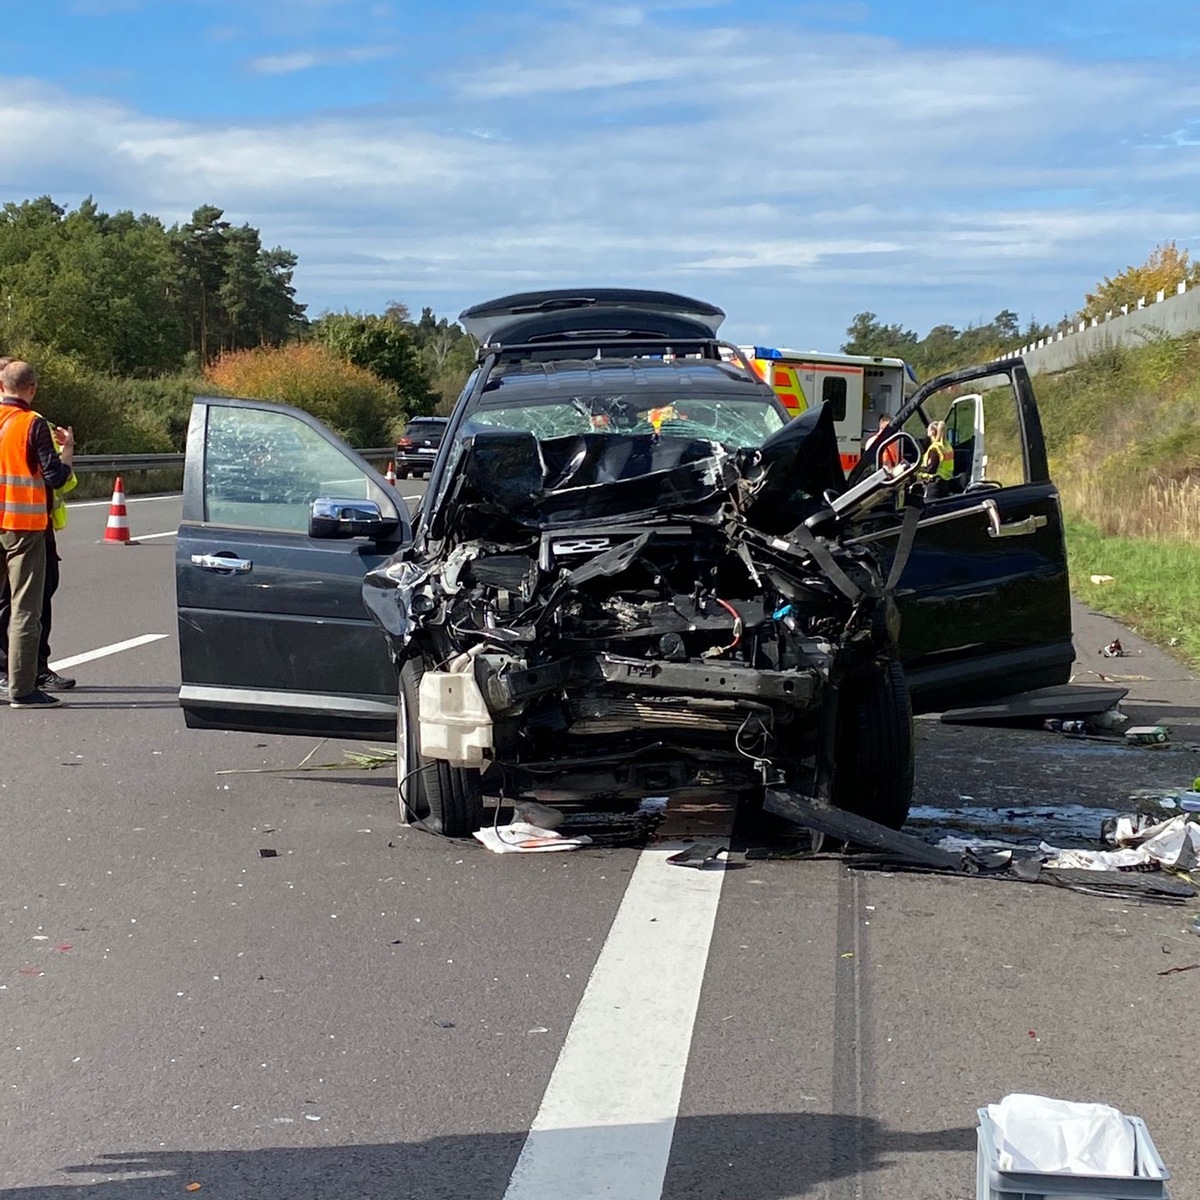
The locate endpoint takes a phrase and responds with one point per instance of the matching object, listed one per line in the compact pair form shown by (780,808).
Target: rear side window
(833,392)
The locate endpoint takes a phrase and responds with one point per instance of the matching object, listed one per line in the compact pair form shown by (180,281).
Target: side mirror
(335,518)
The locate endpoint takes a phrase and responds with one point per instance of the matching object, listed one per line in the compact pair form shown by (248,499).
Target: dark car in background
(417,447)
(631,575)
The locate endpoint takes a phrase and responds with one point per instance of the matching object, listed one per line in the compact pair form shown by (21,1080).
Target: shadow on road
(767,1156)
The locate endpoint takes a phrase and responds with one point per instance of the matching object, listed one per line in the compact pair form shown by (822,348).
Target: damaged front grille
(619,714)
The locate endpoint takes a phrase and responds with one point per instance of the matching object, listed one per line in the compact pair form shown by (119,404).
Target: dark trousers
(25,569)
(48,589)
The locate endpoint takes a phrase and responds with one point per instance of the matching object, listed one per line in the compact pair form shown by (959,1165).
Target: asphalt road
(378,1013)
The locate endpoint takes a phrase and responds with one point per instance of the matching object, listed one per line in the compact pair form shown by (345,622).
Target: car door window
(263,470)
(968,410)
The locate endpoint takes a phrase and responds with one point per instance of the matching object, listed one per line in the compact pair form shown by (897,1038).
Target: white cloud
(793,177)
(304,60)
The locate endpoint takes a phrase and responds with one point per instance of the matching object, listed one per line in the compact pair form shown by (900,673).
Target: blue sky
(794,162)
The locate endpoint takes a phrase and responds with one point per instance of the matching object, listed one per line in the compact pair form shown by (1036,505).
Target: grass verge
(1155,587)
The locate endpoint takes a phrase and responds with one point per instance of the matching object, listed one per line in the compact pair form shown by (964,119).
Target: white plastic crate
(995,1184)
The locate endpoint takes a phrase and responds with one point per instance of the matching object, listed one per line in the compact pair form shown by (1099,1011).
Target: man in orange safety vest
(29,465)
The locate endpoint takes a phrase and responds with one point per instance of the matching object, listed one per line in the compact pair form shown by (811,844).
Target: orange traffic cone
(117,529)
(390,473)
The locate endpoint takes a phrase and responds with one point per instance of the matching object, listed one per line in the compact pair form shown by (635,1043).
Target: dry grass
(1134,505)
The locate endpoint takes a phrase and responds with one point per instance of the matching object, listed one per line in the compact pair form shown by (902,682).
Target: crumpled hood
(558,481)
(587,477)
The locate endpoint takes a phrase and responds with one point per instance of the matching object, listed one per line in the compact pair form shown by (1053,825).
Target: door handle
(1012,528)
(220,562)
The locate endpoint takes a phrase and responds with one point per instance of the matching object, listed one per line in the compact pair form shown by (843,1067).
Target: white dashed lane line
(105,651)
(607,1119)
(128,500)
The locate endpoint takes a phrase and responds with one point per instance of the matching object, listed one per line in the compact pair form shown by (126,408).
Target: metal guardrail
(86,464)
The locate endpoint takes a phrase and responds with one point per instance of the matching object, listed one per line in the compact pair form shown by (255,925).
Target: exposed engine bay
(611,616)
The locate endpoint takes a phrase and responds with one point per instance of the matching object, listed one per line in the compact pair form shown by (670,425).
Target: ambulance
(861,388)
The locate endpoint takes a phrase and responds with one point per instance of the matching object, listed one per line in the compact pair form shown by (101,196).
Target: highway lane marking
(128,500)
(145,537)
(105,651)
(607,1119)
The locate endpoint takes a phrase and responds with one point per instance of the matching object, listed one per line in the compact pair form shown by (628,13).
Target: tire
(401,472)
(873,769)
(431,793)
(418,474)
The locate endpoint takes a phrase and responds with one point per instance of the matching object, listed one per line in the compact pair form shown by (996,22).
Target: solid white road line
(146,537)
(607,1119)
(105,651)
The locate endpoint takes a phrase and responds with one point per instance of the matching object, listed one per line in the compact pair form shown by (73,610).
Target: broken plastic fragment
(699,854)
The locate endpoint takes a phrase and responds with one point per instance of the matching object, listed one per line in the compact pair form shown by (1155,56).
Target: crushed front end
(602,616)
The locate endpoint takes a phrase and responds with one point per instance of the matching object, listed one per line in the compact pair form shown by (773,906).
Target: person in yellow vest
(29,465)
(937,463)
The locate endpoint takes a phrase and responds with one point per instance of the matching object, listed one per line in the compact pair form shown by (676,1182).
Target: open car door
(281,521)
(984,598)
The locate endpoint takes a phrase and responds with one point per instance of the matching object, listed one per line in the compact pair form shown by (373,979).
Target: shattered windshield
(732,420)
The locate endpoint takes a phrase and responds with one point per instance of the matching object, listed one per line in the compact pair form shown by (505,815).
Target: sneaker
(34,699)
(52,681)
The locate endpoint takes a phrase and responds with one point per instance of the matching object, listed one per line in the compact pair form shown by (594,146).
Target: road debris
(519,837)
(1114,649)
(1110,720)
(1154,870)
(1054,725)
(365,760)
(1068,701)
(699,854)
(1180,970)
(1103,579)
(1148,735)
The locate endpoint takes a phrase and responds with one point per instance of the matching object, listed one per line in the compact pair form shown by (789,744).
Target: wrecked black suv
(631,574)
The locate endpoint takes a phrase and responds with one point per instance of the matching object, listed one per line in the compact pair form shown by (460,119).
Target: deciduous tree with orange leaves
(355,403)
(1165,269)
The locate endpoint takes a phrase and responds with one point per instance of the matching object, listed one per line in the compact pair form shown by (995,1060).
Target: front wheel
(873,769)
(432,793)
(401,472)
